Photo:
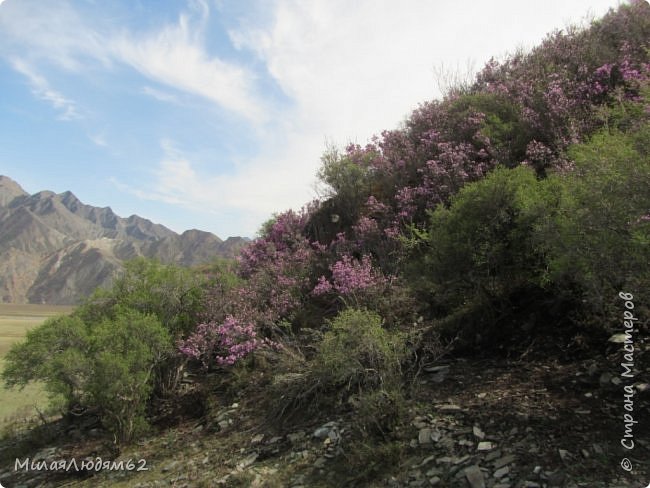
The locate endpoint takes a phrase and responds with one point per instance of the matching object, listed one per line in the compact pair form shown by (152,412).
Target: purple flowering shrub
(351,279)
(224,343)
(527,109)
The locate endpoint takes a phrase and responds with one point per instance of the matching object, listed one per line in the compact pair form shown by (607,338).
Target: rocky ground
(470,423)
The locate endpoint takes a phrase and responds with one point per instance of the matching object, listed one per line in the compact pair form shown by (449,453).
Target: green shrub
(56,353)
(173,294)
(125,351)
(483,247)
(107,366)
(601,238)
(512,248)
(503,125)
(357,364)
(357,353)
(117,349)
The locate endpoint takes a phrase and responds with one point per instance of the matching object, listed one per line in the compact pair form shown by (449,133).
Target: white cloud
(98,139)
(160,95)
(52,33)
(351,70)
(41,89)
(253,193)
(176,56)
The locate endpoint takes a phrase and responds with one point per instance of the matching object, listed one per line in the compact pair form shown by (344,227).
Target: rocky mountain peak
(56,249)
(9,190)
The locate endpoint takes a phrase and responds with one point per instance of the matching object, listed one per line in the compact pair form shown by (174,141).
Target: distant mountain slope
(56,249)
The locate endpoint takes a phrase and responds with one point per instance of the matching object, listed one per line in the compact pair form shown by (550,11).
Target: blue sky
(213,114)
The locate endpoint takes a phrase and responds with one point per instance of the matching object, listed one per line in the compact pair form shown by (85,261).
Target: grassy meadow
(15,321)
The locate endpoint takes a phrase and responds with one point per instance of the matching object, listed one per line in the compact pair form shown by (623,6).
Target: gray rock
(296,437)
(438,377)
(485,446)
(419,423)
(617,338)
(605,379)
(248,461)
(478,433)
(434,481)
(475,476)
(504,461)
(642,387)
(556,479)
(501,472)
(427,460)
(326,430)
(170,466)
(491,456)
(321,432)
(424,436)
(436,369)
(450,407)
(462,460)
(45,453)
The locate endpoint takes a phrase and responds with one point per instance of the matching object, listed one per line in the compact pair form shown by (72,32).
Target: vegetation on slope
(509,214)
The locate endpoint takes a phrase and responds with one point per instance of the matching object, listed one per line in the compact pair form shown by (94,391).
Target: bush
(601,238)
(56,353)
(512,248)
(114,351)
(357,363)
(358,354)
(483,248)
(107,366)
(125,351)
(173,294)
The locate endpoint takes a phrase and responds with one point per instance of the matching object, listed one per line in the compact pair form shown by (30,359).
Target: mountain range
(55,249)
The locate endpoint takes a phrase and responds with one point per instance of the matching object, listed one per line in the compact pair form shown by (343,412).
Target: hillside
(55,249)
(467,306)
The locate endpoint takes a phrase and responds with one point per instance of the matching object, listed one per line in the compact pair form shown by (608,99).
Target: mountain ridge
(56,249)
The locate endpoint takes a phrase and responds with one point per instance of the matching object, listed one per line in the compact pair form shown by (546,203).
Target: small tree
(171,293)
(55,353)
(125,353)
